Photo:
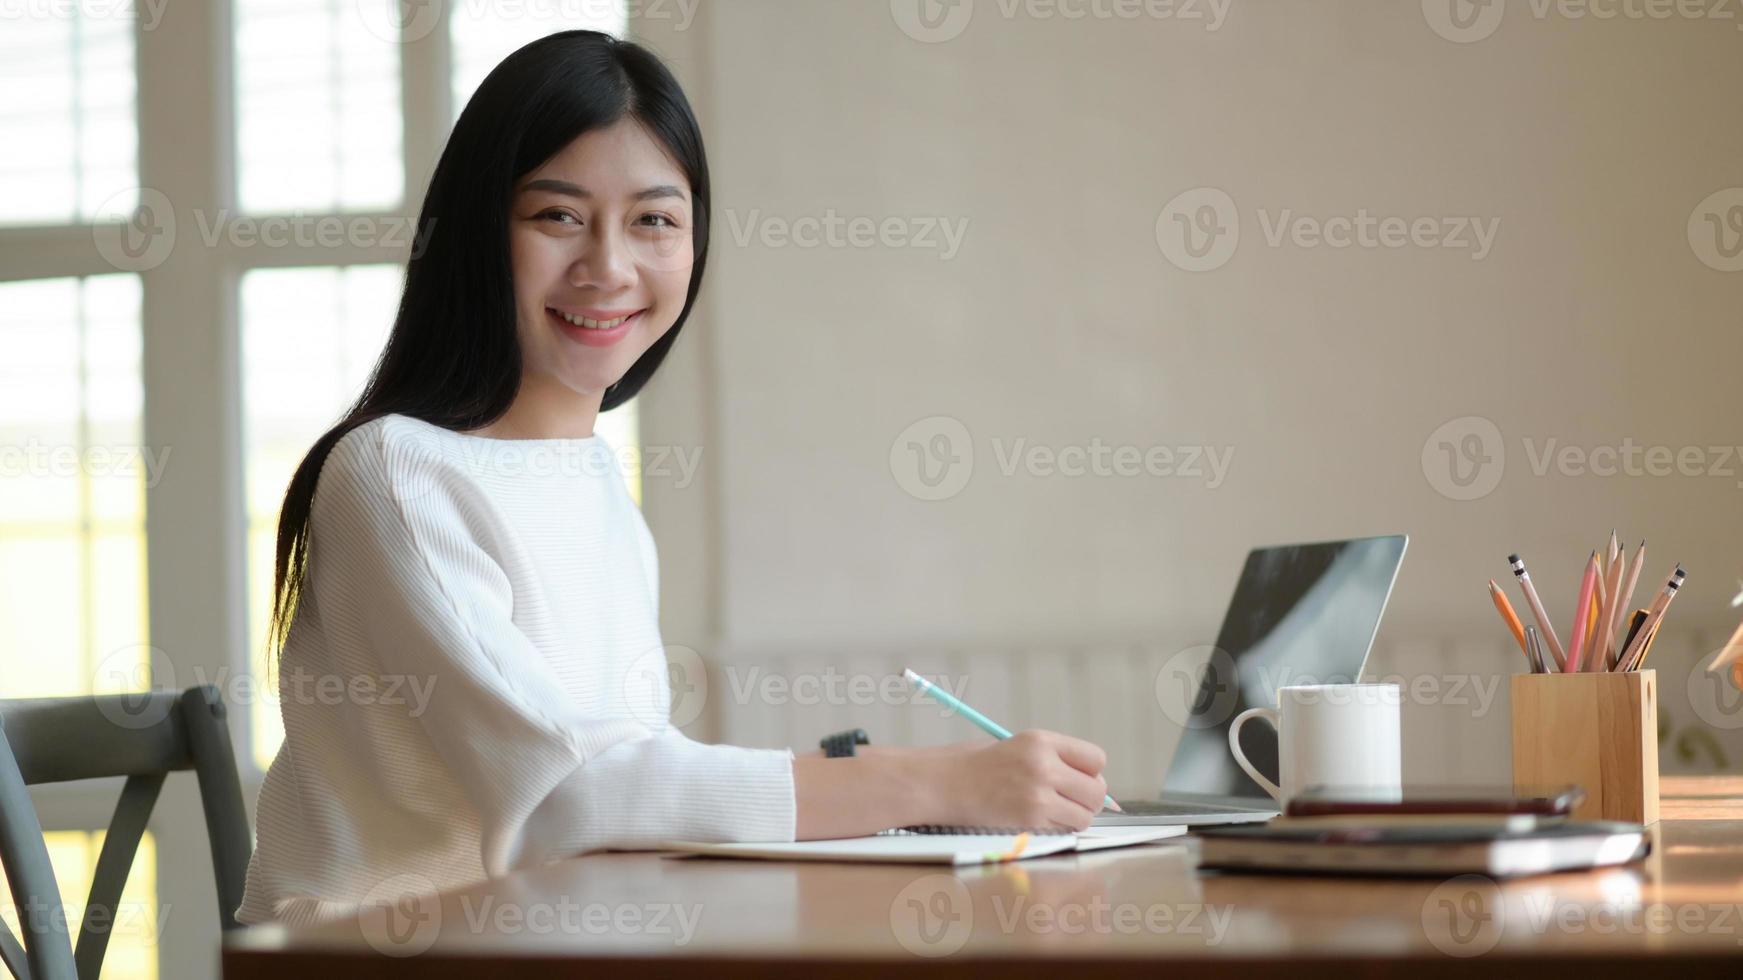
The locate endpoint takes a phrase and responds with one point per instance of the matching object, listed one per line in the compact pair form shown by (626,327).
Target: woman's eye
(659,221)
(560,216)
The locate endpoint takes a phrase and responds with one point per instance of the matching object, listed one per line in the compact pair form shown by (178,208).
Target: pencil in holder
(1597,731)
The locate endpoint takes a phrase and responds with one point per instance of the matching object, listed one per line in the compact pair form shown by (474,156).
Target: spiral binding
(933,829)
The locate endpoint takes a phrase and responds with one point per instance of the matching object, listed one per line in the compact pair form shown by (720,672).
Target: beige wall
(1584,144)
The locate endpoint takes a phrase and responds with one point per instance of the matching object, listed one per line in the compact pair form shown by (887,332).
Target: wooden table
(1130,913)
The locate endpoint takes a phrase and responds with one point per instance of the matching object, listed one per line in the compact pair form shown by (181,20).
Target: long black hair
(453,358)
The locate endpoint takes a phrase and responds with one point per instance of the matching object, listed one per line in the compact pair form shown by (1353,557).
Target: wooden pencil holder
(1595,731)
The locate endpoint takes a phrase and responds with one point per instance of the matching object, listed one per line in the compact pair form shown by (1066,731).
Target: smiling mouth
(588,323)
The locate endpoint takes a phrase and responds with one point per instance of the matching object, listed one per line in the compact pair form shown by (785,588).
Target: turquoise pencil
(979,720)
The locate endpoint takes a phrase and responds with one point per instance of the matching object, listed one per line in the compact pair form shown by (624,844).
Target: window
(483,32)
(67,115)
(73,473)
(317,108)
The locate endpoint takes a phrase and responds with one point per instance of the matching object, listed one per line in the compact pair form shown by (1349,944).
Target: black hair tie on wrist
(841,744)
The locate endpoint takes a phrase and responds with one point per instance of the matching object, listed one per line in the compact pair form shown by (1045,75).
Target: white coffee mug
(1340,735)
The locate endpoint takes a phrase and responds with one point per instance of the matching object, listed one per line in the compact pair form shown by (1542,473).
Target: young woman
(466,598)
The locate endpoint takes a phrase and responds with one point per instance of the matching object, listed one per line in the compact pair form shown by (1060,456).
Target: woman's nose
(607,264)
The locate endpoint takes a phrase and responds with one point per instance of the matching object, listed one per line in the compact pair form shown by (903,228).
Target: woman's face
(600,242)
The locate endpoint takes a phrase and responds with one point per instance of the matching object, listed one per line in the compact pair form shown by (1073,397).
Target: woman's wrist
(881,787)
(880,752)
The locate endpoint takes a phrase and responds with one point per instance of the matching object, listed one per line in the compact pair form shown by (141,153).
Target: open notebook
(935,845)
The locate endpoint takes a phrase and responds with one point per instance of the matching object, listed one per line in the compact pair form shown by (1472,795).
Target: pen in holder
(1597,731)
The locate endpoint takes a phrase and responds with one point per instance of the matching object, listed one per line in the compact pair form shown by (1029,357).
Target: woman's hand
(1034,778)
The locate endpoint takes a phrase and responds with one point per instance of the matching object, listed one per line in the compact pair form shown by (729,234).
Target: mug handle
(1270,715)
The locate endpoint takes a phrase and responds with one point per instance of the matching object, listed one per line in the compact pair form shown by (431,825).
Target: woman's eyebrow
(574,190)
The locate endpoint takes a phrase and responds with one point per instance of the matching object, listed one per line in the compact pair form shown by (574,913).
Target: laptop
(1301,614)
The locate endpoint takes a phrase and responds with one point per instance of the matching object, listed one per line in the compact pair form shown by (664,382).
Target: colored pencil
(1582,615)
(1635,653)
(1628,585)
(1607,618)
(1508,616)
(974,717)
(1537,611)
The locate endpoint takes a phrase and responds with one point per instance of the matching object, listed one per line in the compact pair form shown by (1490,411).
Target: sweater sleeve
(396,554)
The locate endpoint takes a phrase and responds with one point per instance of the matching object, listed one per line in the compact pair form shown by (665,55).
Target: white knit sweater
(475,681)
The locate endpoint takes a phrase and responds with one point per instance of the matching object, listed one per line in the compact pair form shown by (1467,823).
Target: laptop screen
(1301,614)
